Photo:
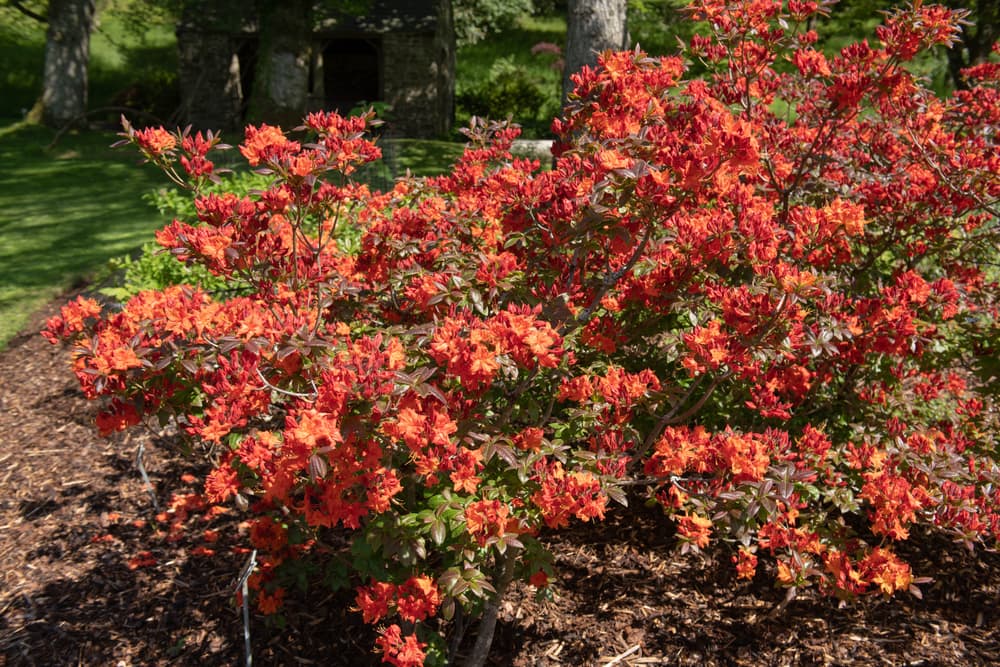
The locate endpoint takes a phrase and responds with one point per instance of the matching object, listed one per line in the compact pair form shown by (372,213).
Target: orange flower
(563,495)
(467,462)
(417,599)
(785,575)
(221,483)
(383,485)
(746,564)
(400,652)
(530,439)
(845,215)
(578,389)
(270,603)
(374,600)
(485,519)
(155,140)
(301,166)
(410,427)
(266,143)
(695,529)
(117,417)
(610,160)
(71,319)
(884,568)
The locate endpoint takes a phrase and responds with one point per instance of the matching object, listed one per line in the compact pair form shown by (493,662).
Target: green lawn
(422,157)
(133,59)
(63,213)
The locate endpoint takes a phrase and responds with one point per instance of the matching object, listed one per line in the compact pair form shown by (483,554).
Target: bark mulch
(76,517)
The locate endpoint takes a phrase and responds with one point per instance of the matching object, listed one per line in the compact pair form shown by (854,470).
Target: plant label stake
(145,477)
(241,584)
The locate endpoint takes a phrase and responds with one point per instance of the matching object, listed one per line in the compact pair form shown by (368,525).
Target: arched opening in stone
(352,73)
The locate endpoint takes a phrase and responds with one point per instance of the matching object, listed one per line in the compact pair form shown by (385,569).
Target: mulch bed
(74,514)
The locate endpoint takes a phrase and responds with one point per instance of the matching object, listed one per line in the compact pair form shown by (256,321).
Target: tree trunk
(593,26)
(281,82)
(67,53)
(445,45)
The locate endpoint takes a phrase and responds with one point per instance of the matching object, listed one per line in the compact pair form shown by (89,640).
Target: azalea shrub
(763,298)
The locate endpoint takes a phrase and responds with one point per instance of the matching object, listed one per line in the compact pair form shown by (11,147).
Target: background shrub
(508,92)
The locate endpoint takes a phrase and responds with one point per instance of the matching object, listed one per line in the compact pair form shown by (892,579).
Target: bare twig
(41,18)
(286,392)
(621,656)
(243,587)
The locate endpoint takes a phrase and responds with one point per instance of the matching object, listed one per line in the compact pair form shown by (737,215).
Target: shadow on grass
(64,212)
(421,157)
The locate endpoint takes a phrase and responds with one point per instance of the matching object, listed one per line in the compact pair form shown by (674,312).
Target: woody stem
(488,624)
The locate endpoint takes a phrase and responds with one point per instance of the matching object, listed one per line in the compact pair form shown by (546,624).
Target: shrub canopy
(765,296)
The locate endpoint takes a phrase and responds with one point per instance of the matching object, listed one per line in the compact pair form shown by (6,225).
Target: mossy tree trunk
(445,44)
(67,55)
(281,81)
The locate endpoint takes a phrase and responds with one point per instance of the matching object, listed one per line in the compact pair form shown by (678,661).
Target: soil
(75,514)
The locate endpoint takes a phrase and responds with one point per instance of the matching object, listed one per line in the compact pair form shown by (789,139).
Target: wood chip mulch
(90,577)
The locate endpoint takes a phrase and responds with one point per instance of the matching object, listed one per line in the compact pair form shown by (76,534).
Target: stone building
(398,52)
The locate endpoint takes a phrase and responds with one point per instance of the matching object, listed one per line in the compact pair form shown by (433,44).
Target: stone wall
(209,77)
(417,67)
(410,85)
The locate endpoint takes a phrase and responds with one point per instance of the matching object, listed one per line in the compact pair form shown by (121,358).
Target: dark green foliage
(508,91)
(656,25)
(475,19)
(477,66)
(153,268)
(153,86)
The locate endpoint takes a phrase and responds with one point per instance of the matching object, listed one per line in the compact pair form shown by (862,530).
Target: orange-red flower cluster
(485,519)
(414,600)
(155,141)
(401,651)
(562,495)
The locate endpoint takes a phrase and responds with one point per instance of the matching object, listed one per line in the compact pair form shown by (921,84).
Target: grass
(132,53)
(422,157)
(63,213)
